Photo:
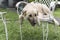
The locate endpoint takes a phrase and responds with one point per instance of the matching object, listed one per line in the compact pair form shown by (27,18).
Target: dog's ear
(24,13)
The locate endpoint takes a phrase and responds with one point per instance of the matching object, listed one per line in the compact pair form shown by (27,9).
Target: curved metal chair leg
(45,30)
(5,27)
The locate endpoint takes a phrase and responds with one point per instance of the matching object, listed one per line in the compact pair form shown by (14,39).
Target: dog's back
(42,8)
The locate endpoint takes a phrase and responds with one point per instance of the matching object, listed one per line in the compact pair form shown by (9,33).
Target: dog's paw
(57,23)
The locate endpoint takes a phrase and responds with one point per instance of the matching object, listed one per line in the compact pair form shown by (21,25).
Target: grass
(29,32)
(57,12)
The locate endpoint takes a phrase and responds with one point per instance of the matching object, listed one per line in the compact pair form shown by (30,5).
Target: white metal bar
(17,11)
(55,29)
(45,30)
(5,27)
(21,31)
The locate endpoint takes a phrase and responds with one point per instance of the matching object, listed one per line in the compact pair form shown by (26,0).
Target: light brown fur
(33,12)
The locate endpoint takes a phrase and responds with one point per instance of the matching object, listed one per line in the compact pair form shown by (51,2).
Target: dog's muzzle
(32,22)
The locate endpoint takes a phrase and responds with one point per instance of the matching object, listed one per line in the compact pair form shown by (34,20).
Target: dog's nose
(33,24)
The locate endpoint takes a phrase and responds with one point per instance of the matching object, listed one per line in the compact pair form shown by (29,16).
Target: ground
(29,32)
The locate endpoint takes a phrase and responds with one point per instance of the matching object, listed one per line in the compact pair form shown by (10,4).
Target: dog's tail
(20,5)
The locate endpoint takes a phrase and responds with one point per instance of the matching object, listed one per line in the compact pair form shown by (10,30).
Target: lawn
(29,32)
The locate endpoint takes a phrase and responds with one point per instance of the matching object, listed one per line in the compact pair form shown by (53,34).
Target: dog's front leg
(55,21)
(38,21)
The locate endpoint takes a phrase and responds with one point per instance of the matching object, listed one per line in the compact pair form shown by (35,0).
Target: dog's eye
(30,15)
(35,15)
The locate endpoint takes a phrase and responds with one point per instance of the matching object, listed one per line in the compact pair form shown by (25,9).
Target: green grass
(57,12)
(29,32)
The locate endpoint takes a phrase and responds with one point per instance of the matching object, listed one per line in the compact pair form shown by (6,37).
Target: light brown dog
(34,12)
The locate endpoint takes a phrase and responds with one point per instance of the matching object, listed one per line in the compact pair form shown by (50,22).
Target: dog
(34,12)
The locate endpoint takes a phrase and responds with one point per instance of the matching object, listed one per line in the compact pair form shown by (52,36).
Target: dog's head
(31,16)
